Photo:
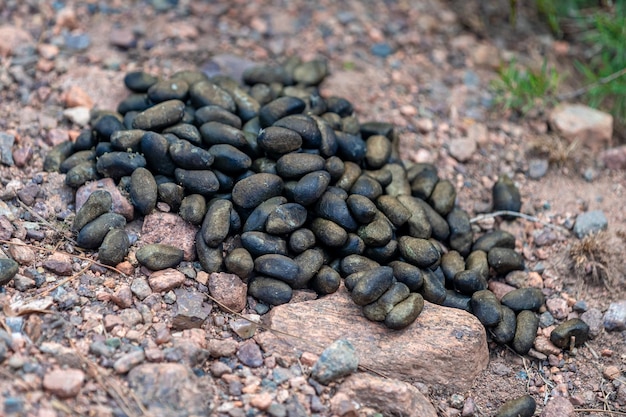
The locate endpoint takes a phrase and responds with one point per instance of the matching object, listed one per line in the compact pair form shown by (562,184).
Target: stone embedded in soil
(445,347)
(170,229)
(59,263)
(389,397)
(589,223)
(229,290)
(64,383)
(615,316)
(558,407)
(165,280)
(171,389)
(250,354)
(336,361)
(589,127)
(191,311)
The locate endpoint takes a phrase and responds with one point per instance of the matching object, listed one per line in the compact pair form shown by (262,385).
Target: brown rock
(500,289)
(123,297)
(75,96)
(6,228)
(261,401)
(123,38)
(614,158)
(121,205)
(170,229)
(222,348)
(59,263)
(576,122)
(165,280)
(544,345)
(444,346)
(171,389)
(558,308)
(387,396)
(229,290)
(558,407)
(462,149)
(64,383)
(22,155)
(21,254)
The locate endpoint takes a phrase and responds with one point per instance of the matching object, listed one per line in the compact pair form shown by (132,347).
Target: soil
(432,84)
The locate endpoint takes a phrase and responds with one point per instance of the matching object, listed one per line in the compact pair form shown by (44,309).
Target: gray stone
(191,311)
(337,360)
(537,168)
(590,222)
(6,148)
(249,353)
(140,288)
(171,389)
(589,127)
(593,318)
(615,316)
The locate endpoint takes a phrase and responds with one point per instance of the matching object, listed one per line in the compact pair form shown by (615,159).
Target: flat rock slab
(444,346)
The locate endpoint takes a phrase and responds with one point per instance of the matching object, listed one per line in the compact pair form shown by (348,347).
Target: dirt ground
(413,63)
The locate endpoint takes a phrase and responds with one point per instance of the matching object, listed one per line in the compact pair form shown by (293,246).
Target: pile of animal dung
(290,190)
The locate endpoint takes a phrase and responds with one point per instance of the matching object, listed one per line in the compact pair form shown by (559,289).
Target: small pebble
(589,223)
(337,360)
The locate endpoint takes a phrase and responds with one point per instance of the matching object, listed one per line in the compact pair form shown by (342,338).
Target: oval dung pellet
(185,131)
(277,266)
(139,81)
(378,310)
(216,224)
(562,334)
(202,182)
(405,312)
(193,208)
(171,89)
(461,235)
(439,227)
(279,108)
(372,285)
(451,264)
(82,173)
(326,281)
(213,113)
(295,165)
(383,254)
(270,291)
(477,260)
(354,245)
(506,195)
(216,133)
(260,243)
(458,301)
(377,151)
(333,206)
(367,186)
(469,281)
(77,159)
(301,240)
(206,93)
(155,148)
(486,307)
(160,116)
(504,260)
(93,233)
(419,252)
(523,406)
(310,261)
(350,147)
(395,211)
(329,233)
(504,331)
(239,262)
(356,263)
(423,179)
(351,172)
(525,332)
(306,128)
(98,203)
(172,194)
(362,208)
(258,217)
(119,164)
(210,258)
(377,233)
(408,274)
(286,218)
(443,197)
(524,299)
(433,288)
(494,239)
(253,190)
(229,159)
(143,190)
(418,223)
(114,247)
(188,156)
(311,187)
(158,256)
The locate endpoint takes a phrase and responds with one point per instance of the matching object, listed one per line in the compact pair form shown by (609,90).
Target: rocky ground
(79,339)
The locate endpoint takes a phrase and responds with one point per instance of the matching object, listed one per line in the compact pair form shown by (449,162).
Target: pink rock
(123,38)
(558,308)
(22,254)
(576,122)
(462,149)
(444,346)
(387,396)
(11,38)
(121,205)
(64,383)
(229,290)
(123,297)
(558,407)
(500,289)
(169,229)
(165,280)
(614,158)
(75,96)
(59,263)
